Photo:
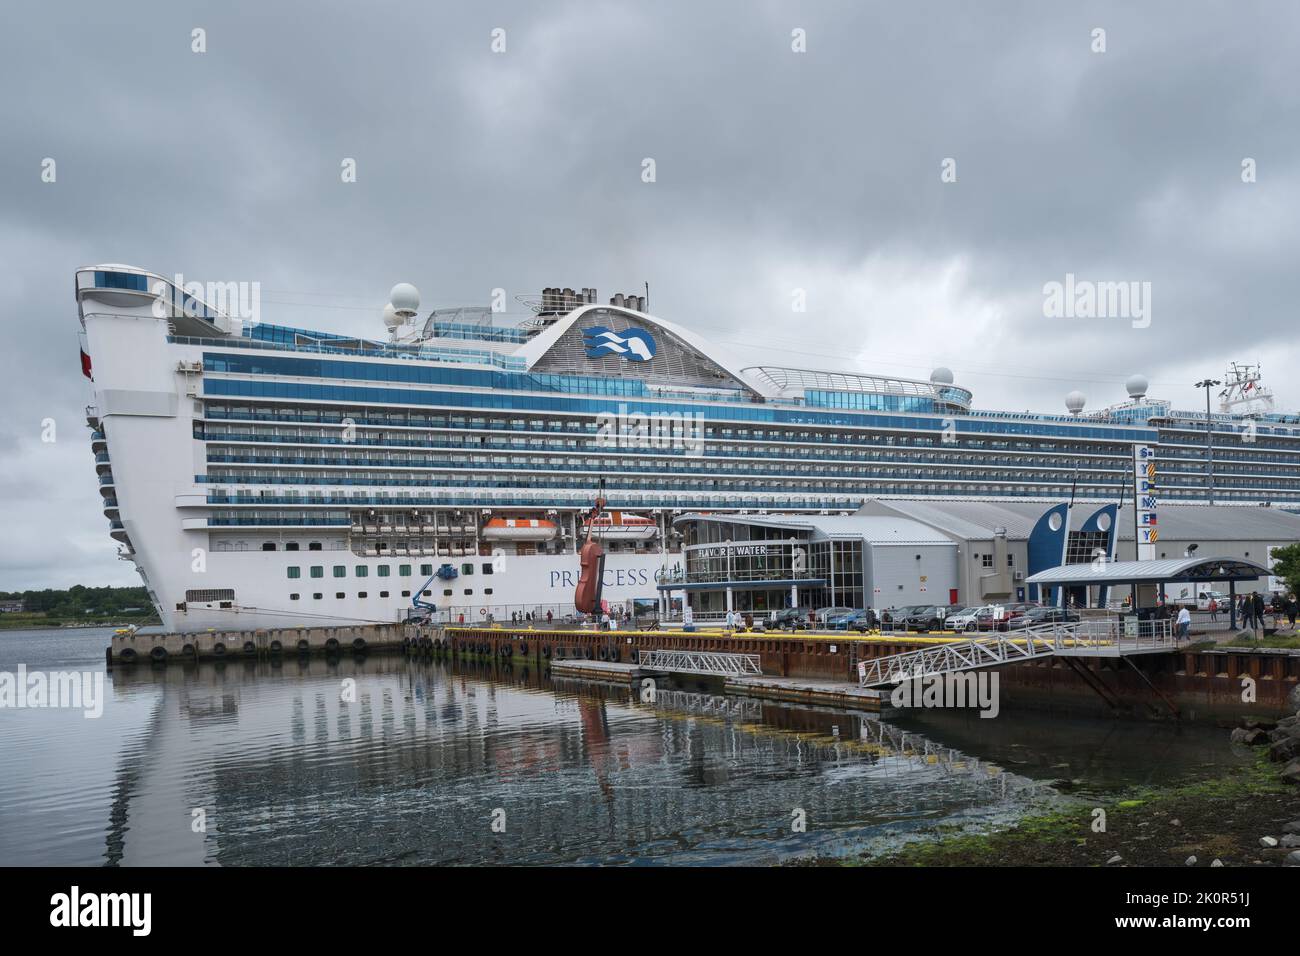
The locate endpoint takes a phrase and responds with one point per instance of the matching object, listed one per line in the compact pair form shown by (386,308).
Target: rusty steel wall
(1211,680)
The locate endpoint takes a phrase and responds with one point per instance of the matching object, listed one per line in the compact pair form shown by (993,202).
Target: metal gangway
(1092,638)
(702,662)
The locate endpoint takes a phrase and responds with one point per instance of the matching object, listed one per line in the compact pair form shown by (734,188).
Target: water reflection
(381,760)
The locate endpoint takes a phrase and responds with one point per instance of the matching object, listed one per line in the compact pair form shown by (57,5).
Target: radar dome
(405,299)
(1137,386)
(391,321)
(941,376)
(1075,401)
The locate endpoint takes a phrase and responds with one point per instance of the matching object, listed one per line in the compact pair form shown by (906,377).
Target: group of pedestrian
(1250,610)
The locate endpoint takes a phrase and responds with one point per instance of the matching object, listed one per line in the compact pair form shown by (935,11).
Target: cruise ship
(260,475)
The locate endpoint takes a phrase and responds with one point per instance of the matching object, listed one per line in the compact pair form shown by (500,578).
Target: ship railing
(534,616)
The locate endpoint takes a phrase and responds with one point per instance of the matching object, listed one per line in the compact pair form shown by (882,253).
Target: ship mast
(1245,393)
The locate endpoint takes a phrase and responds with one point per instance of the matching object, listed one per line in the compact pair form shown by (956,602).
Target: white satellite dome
(1075,401)
(1137,386)
(405,300)
(941,376)
(391,319)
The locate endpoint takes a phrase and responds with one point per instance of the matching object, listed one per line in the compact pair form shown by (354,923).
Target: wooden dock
(605,672)
(798,690)
(791,690)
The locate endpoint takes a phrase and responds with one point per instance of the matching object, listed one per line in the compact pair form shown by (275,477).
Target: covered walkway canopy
(1164,571)
(1168,570)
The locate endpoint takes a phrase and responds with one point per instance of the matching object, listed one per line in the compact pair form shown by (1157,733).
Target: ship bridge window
(295,572)
(362,570)
(487,567)
(383,570)
(317,571)
(467,568)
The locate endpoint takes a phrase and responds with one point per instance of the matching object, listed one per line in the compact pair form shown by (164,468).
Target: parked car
(986,620)
(925,619)
(1042,615)
(967,618)
(868,622)
(842,622)
(793,618)
(826,613)
(894,616)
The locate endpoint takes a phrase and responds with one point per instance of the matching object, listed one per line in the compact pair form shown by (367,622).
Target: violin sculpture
(591,559)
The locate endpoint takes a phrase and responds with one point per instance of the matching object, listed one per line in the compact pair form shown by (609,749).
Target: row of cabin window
(382,570)
(340,595)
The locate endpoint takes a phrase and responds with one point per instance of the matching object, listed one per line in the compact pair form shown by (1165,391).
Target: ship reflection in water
(292,763)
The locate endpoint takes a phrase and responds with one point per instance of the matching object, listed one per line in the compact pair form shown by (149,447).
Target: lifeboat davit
(519,529)
(617,526)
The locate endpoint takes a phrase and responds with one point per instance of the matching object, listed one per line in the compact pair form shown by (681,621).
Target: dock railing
(702,662)
(1103,637)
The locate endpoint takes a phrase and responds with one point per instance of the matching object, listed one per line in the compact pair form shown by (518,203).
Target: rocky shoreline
(1248,817)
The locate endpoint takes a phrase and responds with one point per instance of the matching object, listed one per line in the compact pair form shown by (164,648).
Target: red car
(984,620)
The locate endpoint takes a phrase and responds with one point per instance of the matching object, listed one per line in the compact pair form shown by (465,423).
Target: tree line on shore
(80,602)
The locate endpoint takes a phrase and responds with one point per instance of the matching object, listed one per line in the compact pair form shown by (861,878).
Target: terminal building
(892,553)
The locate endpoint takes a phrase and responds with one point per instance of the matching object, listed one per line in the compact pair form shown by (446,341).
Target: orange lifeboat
(519,529)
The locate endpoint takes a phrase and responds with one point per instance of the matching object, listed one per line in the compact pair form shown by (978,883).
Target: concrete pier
(163,647)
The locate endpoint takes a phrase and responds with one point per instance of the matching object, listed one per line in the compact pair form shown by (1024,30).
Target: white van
(1183,594)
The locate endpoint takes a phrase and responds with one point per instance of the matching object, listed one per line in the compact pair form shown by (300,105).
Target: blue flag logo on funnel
(634,345)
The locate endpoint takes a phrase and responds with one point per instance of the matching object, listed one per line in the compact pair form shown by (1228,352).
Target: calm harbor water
(426,758)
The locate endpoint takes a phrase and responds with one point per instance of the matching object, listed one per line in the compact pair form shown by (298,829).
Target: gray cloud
(776,171)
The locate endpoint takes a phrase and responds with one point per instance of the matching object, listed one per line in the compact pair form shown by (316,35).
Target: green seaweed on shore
(1222,816)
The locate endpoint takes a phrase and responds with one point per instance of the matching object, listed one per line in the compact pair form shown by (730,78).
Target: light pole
(1208,384)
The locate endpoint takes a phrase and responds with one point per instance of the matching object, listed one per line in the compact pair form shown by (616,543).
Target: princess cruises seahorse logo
(635,345)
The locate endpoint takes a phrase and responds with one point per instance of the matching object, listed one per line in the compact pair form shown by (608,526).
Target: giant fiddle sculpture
(591,560)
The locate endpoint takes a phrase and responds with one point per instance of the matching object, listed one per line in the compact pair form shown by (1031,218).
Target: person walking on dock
(1214,610)
(1184,622)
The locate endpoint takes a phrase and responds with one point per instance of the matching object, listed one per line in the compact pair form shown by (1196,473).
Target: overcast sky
(775,171)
